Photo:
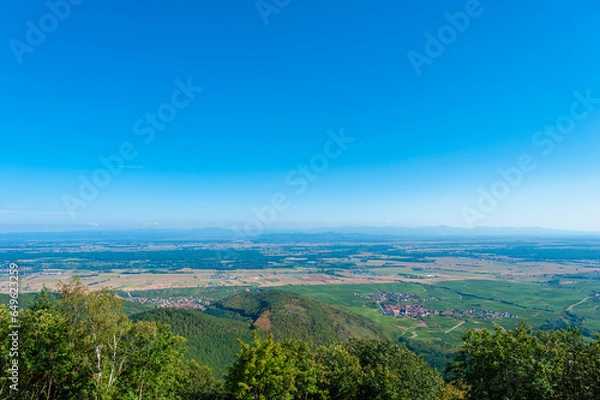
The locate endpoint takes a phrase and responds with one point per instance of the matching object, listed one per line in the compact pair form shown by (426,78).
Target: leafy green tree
(154,358)
(198,382)
(262,371)
(504,364)
(523,364)
(306,371)
(340,372)
(5,359)
(50,358)
(392,372)
(365,369)
(576,361)
(98,326)
(80,345)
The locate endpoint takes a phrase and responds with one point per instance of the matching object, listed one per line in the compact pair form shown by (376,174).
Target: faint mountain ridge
(10,232)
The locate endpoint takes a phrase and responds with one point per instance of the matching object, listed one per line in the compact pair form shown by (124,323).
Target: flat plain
(449,285)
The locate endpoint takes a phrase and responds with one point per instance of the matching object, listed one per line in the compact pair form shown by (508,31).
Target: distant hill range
(212,335)
(9,232)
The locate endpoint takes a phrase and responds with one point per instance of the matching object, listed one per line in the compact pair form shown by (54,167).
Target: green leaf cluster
(368,369)
(526,364)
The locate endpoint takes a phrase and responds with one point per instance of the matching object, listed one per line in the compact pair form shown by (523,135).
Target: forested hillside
(211,340)
(292,316)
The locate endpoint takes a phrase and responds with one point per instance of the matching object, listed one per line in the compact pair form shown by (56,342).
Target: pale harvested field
(443,269)
(186,279)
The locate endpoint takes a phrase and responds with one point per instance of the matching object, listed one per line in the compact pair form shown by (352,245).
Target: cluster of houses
(174,302)
(224,277)
(418,310)
(410,305)
(388,296)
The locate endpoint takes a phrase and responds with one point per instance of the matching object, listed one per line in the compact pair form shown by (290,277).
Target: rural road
(455,326)
(578,303)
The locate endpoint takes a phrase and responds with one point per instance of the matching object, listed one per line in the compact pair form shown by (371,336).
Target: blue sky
(423,144)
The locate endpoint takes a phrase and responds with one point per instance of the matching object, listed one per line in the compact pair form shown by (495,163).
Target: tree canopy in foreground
(523,364)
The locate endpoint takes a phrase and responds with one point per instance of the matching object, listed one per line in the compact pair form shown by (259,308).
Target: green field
(538,304)
(214,293)
(541,304)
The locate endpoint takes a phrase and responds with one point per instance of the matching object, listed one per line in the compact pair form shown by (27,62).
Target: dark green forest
(292,316)
(210,339)
(212,335)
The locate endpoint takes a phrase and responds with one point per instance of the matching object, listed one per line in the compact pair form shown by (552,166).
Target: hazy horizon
(235,228)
